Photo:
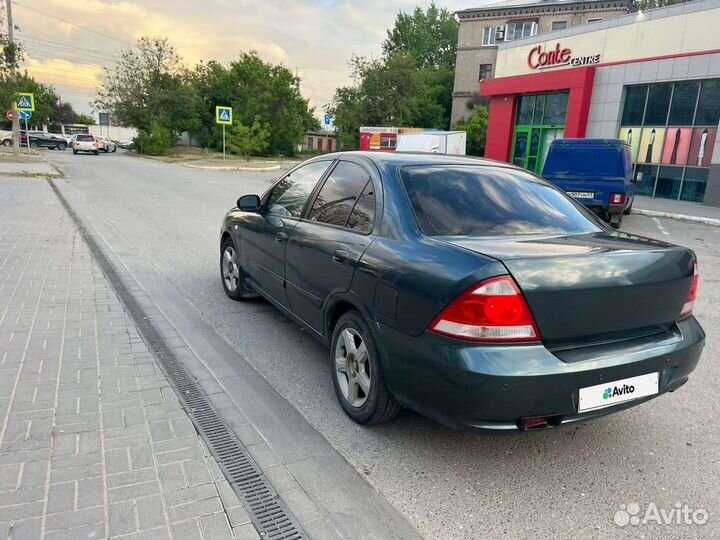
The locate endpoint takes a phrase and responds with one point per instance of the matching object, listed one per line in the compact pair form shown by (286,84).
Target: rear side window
(362,216)
(489,201)
(85,138)
(289,195)
(337,197)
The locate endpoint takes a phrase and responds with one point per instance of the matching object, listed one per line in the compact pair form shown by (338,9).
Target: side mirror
(249,203)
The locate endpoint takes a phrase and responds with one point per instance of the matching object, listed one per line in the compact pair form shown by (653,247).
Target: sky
(68,43)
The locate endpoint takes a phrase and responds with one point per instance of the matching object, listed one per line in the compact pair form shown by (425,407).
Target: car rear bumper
(499,387)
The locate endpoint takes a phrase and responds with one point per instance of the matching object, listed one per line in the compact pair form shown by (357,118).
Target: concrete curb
(679,217)
(231,168)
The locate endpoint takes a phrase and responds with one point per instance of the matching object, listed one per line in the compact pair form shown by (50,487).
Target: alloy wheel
(352,367)
(230,269)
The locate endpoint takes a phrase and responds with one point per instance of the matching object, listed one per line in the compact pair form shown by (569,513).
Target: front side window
(488,36)
(489,201)
(337,197)
(289,195)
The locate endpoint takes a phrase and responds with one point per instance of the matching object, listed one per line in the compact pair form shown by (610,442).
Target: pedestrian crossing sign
(223,115)
(25,102)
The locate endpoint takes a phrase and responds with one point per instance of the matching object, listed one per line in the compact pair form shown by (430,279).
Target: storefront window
(683,103)
(634,105)
(668,182)
(555,109)
(693,188)
(540,120)
(671,129)
(645,176)
(656,111)
(708,109)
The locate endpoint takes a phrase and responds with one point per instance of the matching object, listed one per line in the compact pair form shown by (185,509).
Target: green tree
(147,87)
(411,85)
(255,89)
(84,119)
(476,127)
(249,140)
(430,36)
(644,5)
(156,140)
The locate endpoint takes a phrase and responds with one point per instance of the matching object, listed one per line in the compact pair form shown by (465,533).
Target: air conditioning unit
(499,33)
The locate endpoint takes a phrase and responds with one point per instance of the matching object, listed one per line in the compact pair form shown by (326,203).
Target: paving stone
(216,527)
(75,518)
(61,497)
(246,532)
(186,530)
(122,518)
(301,506)
(151,512)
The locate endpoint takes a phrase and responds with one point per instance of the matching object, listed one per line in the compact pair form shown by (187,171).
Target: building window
(559,25)
(488,36)
(485,72)
(520,30)
(310,143)
(671,129)
(540,120)
(387,142)
(598,19)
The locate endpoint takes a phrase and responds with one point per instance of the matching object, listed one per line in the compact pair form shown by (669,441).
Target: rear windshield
(489,201)
(585,163)
(85,138)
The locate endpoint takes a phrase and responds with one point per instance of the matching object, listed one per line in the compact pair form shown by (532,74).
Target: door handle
(281,237)
(340,256)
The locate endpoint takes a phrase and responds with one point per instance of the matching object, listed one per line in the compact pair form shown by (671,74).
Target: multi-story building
(482,29)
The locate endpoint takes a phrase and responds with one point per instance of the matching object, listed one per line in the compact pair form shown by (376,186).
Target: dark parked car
(43,139)
(471,291)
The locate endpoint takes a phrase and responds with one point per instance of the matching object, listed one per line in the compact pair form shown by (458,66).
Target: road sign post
(27,135)
(223,116)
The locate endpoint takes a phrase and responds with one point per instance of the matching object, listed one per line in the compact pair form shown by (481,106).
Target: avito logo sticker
(623,390)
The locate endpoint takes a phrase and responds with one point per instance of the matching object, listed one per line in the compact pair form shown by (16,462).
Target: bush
(156,142)
(476,126)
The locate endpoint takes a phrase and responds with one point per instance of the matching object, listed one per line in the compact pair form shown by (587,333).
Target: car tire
(231,274)
(368,402)
(7,142)
(61,146)
(114,149)
(33,145)
(75,151)
(96,152)
(628,210)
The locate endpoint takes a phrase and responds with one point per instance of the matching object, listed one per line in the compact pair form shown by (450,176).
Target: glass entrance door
(540,120)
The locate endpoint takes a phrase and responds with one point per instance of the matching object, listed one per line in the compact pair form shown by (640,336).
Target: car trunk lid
(593,287)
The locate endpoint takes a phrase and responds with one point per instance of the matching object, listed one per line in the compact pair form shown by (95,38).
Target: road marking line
(660,226)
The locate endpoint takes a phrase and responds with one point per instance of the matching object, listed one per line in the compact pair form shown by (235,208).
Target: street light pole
(13,78)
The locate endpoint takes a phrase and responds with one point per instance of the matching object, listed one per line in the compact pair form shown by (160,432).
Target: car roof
(400,159)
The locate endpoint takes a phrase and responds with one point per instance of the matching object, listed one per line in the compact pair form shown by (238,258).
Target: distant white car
(6,138)
(108,145)
(84,142)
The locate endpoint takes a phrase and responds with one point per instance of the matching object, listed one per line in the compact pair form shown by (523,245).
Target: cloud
(316,37)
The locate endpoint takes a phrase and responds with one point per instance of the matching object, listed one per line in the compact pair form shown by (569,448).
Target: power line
(75,24)
(56,44)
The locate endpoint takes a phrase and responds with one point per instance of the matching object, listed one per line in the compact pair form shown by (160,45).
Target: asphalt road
(565,483)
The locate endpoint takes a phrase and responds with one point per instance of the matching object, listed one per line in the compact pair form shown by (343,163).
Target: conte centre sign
(538,58)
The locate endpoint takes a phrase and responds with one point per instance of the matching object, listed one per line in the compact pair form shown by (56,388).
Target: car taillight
(493,311)
(687,308)
(617,198)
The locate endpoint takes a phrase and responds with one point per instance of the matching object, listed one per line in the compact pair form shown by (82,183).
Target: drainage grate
(268,512)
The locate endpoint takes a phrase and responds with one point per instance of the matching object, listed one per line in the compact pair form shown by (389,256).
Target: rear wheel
(33,145)
(357,377)
(7,142)
(628,210)
(233,277)
(62,146)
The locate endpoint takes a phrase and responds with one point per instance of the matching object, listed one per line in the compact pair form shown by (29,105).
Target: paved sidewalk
(677,209)
(25,168)
(93,442)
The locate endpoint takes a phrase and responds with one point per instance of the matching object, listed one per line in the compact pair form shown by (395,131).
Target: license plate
(612,393)
(581,194)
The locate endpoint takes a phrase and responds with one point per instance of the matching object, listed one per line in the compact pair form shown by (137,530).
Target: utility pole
(13,78)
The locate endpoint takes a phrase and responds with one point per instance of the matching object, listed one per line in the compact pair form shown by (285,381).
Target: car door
(325,247)
(264,235)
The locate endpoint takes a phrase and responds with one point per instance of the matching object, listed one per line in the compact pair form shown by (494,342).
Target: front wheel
(33,145)
(233,277)
(357,377)
(75,151)
(7,142)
